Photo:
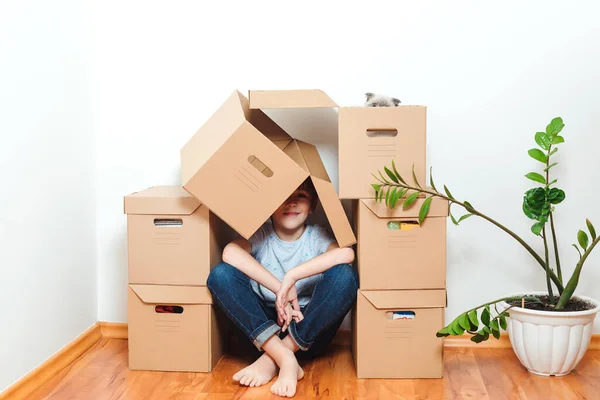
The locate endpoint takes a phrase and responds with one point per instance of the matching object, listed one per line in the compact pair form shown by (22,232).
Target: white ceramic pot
(550,343)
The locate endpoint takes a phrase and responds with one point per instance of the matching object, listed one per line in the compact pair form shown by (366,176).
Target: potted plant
(549,331)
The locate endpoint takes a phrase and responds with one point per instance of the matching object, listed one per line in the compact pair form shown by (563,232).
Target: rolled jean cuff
(294,335)
(265,331)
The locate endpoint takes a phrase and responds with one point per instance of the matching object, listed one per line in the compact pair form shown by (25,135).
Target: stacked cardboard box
(401,262)
(236,170)
(173,242)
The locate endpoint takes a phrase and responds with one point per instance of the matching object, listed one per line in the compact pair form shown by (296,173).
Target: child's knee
(220,276)
(345,277)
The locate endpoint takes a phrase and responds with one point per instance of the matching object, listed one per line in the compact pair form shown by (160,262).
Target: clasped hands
(286,303)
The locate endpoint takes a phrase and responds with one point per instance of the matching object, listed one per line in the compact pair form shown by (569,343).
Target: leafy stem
(399,183)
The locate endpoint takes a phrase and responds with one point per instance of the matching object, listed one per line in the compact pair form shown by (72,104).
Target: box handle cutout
(400,315)
(382,132)
(169,309)
(174,222)
(260,166)
(402,225)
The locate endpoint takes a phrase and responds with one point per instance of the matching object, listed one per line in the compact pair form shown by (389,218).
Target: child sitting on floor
(288,288)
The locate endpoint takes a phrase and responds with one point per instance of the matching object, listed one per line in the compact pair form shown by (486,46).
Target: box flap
(167,294)
(334,211)
(438,208)
(166,200)
(293,151)
(391,299)
(270,99)
(313,161)
(266,125)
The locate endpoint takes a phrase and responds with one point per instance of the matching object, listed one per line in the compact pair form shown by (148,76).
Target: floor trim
(118,330)
(52,366)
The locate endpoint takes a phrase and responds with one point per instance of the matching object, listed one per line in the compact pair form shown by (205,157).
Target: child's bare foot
(289,375)
(258,373)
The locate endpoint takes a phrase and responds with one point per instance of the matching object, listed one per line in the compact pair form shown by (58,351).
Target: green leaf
(555,126)
(542,140)
(415,177)
(469,207)
(453,219)
(554,151)
(387,197)
(410,199)
(539,155)
(496,333)
(503,324)
(456,328)
(537,228)
(534,176)
(463,321)
(390,174)
(473,317)
(577,248)
(464,217)
(582,238)
(431,179)
(381,195)
(478,338)
(494,325)
(445,331)
(377,177)
(376,187)
(557,140)
(556,195)
(448,193)
(485,316)
(550,166)
(591,228)
(393,198)
(554,181)
(424,209)
(383,179)
(396,172)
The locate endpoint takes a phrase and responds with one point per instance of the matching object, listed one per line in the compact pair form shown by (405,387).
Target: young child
(291,278)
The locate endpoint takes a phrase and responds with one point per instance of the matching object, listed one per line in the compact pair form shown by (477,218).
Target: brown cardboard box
(186,341)
(384,347)
(172,238)
(371,137)
(394,251)
(243,166)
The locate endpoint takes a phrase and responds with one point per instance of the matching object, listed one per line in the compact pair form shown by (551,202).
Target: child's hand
(287,293)
(289,315)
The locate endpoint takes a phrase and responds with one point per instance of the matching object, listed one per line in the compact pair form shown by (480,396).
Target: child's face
(294,211)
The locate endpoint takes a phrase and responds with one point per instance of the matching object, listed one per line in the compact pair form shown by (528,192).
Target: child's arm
(333,256)
(237,254)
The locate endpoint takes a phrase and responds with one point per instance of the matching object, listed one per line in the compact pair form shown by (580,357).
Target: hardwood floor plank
(470,373)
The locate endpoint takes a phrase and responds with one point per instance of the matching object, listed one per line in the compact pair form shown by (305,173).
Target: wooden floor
(102,373)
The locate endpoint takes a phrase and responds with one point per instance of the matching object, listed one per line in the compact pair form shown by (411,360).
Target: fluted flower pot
(550,343)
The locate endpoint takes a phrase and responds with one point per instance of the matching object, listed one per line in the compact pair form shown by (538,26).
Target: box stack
(173,242)
(401,262)
(236,170)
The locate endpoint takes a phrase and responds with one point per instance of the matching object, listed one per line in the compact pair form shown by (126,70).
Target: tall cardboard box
(395,251)
(394,333)
(371,137)
(186,338)
(172,238)
(243,166)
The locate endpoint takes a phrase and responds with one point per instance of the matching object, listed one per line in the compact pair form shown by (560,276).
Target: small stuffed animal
(378,100)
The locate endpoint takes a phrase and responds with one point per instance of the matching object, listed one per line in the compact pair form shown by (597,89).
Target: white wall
(491,75)
(47,199)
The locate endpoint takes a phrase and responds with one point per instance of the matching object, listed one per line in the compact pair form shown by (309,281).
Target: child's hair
(310,188)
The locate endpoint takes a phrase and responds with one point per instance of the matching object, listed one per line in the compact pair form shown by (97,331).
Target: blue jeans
(332,298)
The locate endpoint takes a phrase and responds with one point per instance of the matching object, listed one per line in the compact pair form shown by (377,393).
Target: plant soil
(575,304)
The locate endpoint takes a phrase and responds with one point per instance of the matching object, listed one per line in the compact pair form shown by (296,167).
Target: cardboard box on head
(243,166)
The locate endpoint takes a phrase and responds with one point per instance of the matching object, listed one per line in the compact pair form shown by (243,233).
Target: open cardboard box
(368,138)
(394,333)
(395,251)
(243,166)
(172,238)
(185,339)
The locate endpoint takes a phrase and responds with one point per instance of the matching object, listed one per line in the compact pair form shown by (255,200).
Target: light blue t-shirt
(279,256)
